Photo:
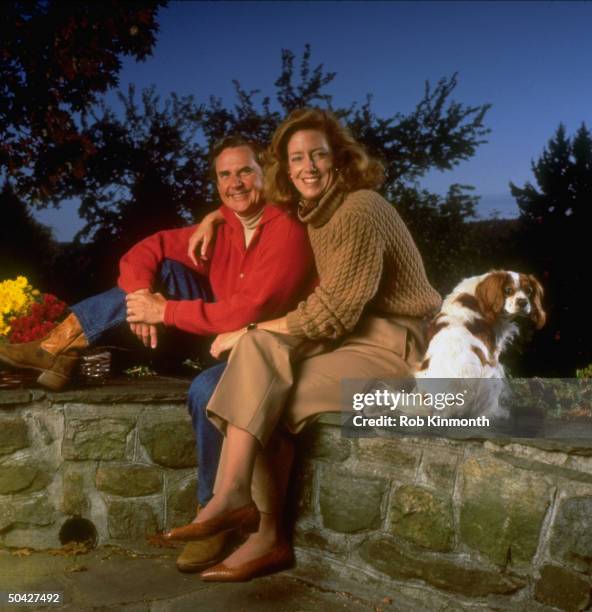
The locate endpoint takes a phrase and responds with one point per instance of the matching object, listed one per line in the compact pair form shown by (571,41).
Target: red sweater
(255,284)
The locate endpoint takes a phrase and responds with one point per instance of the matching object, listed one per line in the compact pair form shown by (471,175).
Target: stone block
(74,496)
(13,435)
(23,476)
(129,520)
(128,480)
(181,502)
(388,456)
(563,589)
(326,443)
(350,504)
(26,512)
(438,467)
(502,510)
(571,538)
(399,562)
(170,443)
(422,517)
(96,438)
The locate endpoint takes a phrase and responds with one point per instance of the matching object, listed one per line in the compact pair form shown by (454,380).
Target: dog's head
(502,294)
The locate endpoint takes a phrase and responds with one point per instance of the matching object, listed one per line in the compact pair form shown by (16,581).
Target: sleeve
(354,271)
(138,267)
(282,274)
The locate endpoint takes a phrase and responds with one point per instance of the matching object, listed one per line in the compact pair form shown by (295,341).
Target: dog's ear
(490,295)
(537,314)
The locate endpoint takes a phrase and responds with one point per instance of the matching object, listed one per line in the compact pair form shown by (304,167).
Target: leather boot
(55,356)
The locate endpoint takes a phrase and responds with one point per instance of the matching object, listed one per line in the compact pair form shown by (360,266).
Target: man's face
(239,179)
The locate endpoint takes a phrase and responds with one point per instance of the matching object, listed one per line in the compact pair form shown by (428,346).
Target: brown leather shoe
(56,356)
(281,557)
(197,556)
(245,518)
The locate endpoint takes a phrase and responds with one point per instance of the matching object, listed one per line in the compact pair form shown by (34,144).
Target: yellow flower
(15,298)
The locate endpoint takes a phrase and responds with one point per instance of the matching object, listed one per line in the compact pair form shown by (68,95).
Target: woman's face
(310,163)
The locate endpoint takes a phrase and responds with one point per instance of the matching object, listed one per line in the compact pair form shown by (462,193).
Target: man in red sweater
(261,265)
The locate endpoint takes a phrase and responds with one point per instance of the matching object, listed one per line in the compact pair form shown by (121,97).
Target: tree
(55,59)
(26,246)
(150,160)
(554,226)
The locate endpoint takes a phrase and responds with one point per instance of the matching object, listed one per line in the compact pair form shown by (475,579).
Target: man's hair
(231,142)
(357,169)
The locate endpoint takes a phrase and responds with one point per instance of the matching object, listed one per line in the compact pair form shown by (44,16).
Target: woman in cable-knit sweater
(363,320)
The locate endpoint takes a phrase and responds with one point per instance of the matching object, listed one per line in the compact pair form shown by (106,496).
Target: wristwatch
(251,326)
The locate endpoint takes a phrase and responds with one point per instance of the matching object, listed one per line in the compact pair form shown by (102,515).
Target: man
(261,265)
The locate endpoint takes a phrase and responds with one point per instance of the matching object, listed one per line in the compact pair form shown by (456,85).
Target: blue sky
(530,60)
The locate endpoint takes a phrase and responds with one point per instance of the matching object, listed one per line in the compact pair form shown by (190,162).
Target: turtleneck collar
(250,222)
(318,213)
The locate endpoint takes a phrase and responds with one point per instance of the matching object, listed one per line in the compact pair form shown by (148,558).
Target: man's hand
(225,342)
(147,334)
(143,307)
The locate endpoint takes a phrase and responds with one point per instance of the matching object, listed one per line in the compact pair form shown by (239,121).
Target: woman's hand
(204,234)
(145,307)
(225,342)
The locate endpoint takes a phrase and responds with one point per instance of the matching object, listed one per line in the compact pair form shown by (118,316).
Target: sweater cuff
(169,313)
(294,326)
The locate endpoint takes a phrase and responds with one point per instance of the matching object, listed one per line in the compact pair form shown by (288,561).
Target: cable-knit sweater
(365,257)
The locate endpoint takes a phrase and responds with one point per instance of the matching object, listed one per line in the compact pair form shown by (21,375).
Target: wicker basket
(95,366)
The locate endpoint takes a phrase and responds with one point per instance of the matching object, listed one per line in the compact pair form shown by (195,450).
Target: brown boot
(55,356)
(202,554)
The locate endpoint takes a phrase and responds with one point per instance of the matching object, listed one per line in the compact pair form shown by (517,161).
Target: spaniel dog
(475,324)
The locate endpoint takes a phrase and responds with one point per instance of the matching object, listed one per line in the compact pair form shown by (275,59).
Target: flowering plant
(25,313)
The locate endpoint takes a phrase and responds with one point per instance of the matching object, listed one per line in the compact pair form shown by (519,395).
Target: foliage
(55,59)
(554,225)
(150,168)
(584,372)
(26,246)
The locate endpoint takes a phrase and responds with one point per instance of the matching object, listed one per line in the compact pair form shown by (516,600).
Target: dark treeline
(143,167)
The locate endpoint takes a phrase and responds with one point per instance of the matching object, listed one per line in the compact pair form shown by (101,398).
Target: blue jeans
(207,437)
(107,310)
(104,311)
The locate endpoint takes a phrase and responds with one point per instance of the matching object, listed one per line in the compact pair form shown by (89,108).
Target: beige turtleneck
(249,224)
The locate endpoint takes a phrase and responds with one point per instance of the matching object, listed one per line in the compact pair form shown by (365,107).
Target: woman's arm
(225,342)
(204,234)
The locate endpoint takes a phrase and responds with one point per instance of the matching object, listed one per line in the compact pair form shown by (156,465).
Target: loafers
(281,557)
(198,556)
(245,518)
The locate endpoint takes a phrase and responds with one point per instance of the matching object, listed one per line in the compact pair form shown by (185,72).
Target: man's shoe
(55,356)
(197,556)
(281,557)
(245,518)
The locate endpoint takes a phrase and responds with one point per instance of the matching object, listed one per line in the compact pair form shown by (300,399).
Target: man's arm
(138,267)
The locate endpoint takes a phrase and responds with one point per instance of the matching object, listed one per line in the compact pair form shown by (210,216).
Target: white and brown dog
(475,324)
(468,335)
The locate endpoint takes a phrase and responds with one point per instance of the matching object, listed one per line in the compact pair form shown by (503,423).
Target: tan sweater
(365,256)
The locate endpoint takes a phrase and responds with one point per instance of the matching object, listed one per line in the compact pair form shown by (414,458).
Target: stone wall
(505,524)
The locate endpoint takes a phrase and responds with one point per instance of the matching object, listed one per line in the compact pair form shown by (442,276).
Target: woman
(363,320)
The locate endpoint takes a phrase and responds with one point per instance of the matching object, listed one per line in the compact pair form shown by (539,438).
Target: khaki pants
(276,379)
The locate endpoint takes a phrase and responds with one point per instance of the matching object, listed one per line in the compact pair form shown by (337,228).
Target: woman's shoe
(281,557)
(245,518)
